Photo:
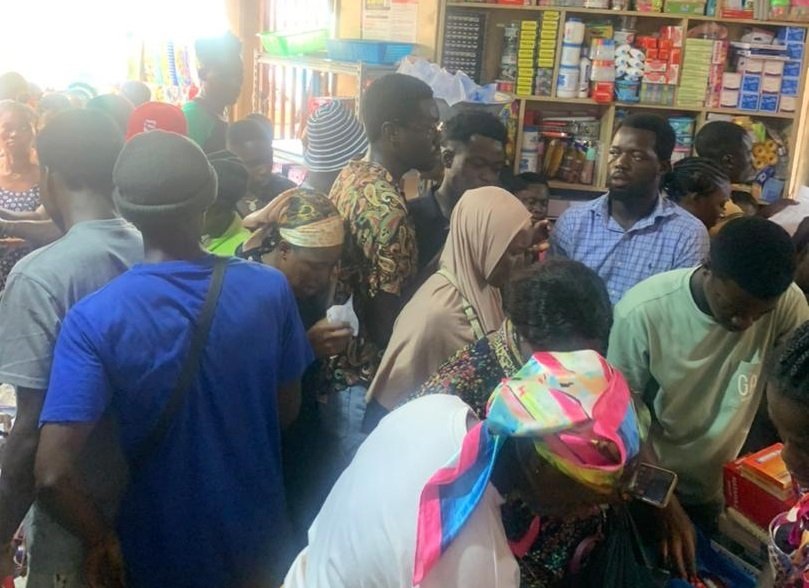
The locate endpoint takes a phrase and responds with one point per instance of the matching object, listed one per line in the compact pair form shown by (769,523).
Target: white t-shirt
(365,534)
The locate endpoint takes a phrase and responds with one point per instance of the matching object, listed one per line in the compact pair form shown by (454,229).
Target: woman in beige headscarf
(490,230)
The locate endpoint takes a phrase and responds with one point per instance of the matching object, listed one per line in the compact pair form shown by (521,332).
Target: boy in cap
(200,359)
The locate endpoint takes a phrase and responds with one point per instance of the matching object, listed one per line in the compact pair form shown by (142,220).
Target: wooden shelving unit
(798,136)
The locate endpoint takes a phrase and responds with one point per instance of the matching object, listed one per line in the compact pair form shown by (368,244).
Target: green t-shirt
(700,383)
(206,130)
(226,244)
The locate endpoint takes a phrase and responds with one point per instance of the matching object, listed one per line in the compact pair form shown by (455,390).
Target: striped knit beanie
(334,137)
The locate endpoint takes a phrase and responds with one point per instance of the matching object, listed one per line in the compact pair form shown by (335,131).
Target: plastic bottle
(585,66)
(588,168)
(567,83)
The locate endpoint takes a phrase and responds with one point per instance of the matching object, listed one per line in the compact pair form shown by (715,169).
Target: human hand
(679,541)
(542,231)
(104,564)
(329,339)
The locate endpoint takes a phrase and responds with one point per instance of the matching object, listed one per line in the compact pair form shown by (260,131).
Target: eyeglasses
(431,130)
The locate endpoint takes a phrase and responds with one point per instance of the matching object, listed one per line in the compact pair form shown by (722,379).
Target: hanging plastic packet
(344,313)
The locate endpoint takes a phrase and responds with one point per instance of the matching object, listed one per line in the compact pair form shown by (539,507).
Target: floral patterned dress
(26,201)
(471,374)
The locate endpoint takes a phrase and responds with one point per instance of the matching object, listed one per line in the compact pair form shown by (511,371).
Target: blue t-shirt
(208,507)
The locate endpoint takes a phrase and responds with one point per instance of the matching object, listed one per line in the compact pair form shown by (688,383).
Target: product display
(463,43)
(590,62)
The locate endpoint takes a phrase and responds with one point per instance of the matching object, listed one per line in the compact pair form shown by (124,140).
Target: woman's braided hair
(693,175)
(791,372)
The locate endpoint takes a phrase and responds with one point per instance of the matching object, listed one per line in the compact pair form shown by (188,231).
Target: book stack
(758,486)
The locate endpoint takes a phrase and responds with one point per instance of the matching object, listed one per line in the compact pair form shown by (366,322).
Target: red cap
(156,115)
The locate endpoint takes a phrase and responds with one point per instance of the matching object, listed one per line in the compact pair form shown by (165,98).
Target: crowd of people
(225,379)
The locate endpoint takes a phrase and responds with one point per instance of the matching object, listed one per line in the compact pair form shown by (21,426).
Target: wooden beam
(244,17)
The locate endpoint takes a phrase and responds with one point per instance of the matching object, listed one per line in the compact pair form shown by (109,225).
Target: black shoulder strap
(190,366)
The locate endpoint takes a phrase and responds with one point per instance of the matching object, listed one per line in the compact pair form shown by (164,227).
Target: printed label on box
(748,101)
(789,87)
(751,83)
(769,103)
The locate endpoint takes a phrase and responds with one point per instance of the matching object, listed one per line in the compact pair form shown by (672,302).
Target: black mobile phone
(653,485)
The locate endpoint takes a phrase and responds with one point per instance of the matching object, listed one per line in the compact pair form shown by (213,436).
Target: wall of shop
(349,23)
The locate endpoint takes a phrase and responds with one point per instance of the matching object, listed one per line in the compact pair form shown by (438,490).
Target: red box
(749,498)
(676,56)
(652,54)
(672,33)
(664,54)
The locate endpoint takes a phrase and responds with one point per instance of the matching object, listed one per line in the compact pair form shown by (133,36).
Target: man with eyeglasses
(381,256)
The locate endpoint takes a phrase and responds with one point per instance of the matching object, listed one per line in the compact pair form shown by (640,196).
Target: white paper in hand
(344,313)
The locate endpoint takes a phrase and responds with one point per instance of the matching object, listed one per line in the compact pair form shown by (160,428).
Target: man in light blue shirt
(633,232)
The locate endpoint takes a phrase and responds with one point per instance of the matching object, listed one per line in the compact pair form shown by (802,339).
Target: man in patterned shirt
(633,232)
(381,257)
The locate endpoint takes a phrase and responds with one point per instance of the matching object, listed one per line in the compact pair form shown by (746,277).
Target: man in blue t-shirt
(207,506)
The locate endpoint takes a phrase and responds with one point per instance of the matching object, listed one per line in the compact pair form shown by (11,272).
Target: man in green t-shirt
(221,72)
(692,344)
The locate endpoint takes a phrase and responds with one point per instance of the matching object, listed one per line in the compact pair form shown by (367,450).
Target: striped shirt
(669,238)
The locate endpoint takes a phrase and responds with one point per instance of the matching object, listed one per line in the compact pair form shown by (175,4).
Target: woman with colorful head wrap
(561,433)
(301,234)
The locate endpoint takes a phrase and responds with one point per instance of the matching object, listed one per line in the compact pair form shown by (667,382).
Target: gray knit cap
(161,174)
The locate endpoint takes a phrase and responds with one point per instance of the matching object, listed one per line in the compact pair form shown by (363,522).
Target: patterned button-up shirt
(667,239)
(380,256)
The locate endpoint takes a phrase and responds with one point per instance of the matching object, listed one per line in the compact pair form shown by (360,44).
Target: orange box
(750,499)
(767,466)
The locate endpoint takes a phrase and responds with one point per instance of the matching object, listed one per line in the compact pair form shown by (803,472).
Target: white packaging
(567,84)
(571,55)
(574,31)
(528,161)
(344,313)
(585,67)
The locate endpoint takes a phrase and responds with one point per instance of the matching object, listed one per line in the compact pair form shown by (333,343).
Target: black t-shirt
(432,227)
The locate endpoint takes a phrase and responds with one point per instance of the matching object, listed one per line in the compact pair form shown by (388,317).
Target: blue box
(791,34)
(748,101)
(792,68)
(769,102)
(795,50)
(789,87)
(751,83)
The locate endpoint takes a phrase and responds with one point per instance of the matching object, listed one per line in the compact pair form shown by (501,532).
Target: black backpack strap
(152,441)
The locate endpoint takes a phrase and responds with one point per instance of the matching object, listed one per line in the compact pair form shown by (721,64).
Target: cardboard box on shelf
(789,86)
(748,101)
(774,67)
(751,83)
(768,467)
(729,98)
(787,104)
(771,84)
(731,81)
(769,102)
(792,68)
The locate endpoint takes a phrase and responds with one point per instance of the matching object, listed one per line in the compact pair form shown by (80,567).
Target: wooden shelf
(557,185)
(608,12)
(755,114)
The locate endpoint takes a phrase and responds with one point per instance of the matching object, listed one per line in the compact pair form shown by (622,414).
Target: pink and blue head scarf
(566,402)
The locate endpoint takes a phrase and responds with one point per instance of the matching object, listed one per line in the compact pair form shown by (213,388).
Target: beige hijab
(433,326)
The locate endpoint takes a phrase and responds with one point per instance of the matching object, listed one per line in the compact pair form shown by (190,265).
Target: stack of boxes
(794,38)
(525,57)
(463,43)
(696,72)
(662,65)
(546,52)
(767,74)
(758,487)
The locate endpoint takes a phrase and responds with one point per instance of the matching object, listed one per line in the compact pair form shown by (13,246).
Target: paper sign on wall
(390,20)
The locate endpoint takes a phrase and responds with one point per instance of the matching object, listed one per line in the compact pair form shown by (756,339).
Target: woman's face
(309,269)
(513,258)
(710,207)
(16,133)
(791,419)
(548,491)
